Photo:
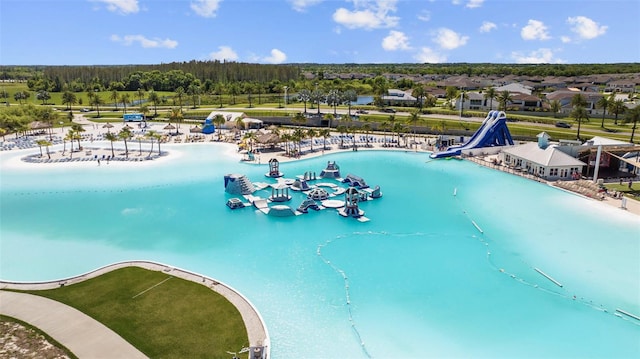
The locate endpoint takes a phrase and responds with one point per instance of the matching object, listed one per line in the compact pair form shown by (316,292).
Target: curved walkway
(81,334)
(91,338)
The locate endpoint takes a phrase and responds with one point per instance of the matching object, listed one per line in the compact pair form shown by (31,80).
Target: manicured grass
(175,319)
(50,340)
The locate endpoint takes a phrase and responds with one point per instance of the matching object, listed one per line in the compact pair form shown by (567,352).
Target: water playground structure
(343,195)
(493,132)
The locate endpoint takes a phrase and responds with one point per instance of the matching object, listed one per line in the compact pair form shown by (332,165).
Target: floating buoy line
(485,239)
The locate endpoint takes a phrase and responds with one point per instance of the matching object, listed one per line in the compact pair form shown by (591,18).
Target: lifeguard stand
(274,169)
(351,198)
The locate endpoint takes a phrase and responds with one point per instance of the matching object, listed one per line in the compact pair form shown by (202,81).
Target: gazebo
(274,169)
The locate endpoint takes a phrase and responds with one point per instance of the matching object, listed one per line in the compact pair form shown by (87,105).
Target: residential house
(564,96)
(397,97)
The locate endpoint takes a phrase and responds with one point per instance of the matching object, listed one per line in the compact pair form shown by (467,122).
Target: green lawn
(175,319)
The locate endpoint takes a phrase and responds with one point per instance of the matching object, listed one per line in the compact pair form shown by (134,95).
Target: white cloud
(540,56)
(427,55)
(586,28)
(224,53)
(424,15)
(302,5)
(276,57)
(565,39)
(449,39)
(205,8)
(535,30)
(487,26)
(396,40)
(472,4)
(129,40)
(121,6)
(368,14)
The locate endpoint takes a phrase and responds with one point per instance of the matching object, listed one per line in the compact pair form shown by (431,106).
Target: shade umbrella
(128,127)
(169,127)
(108,126)
(195,129)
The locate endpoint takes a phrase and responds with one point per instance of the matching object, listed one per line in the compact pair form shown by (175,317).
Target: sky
(114,32)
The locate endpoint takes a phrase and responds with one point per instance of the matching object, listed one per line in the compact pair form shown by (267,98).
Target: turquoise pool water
(418,280)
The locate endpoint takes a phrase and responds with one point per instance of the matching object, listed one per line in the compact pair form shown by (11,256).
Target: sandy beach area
(96,151)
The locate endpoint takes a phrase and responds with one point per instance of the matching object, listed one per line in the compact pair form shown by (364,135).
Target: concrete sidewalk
(82,335)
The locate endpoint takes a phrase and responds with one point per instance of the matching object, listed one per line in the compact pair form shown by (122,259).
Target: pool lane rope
(347,294)
(484,238)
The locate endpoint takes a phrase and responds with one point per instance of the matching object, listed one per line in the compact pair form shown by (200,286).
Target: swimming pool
(419,280)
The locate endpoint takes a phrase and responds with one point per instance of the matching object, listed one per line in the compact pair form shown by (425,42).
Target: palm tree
(125,134)
(305,96)
(578,101)
(333,99)
(139,138)
(419,93)
(43,96)
(298,135)
(617,107)
(114,97)
(234,90)
(324,133)
(45,143)
(633,116)
(218,121)
(555,106)
(71,136)
(251,138)
(125,98)
(155,99)
(604,104)
(311,133)
(140,93)
(286,138)
(194,91)
(504,98)
(77,129)
(144,109)
(366,128)
(111,137)
(342,129)
(299,119)
(414,118)
(384,127)
(348,97)
(219,89)
(179,95)
(69,99)
(151,135)
(451,94)
(317,95)
(175,115)
(490,94)
(97,101)
(580,115)
(329,117)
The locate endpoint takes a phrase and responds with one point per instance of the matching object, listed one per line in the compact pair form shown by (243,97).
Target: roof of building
(548,157)
(597,141)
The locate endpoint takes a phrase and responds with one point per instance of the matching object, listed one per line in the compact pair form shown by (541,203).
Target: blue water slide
(492,132)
